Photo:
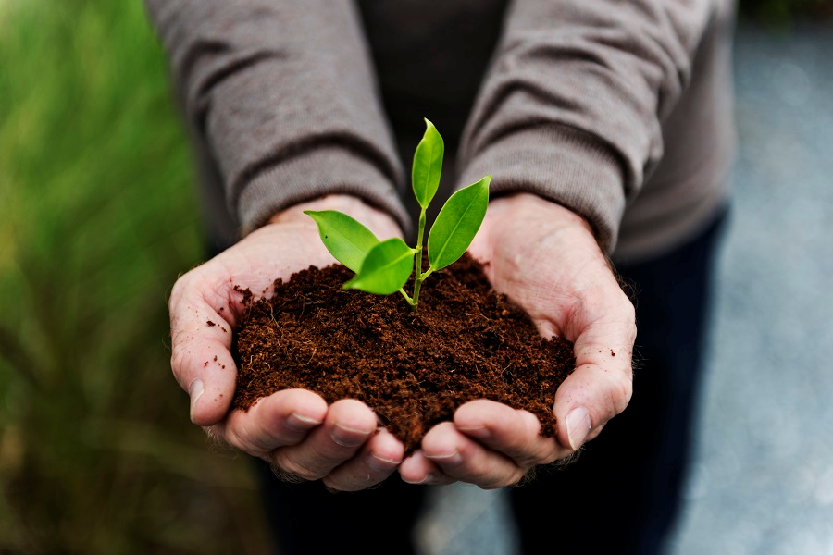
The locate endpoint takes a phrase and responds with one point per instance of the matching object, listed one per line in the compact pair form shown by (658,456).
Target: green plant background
(97,454)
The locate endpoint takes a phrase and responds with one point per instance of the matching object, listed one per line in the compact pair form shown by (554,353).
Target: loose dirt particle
(210,324)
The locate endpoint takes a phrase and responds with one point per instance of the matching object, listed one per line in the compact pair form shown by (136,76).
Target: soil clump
(465,342)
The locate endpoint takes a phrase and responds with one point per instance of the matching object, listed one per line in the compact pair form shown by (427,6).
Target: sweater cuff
(328,170)
(561,164)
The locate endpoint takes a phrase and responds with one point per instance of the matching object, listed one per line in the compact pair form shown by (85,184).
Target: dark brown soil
(414,369)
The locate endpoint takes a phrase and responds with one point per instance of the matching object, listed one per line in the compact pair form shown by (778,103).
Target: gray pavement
(763,478)
(763,474)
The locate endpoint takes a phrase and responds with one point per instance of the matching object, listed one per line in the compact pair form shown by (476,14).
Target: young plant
(383,267)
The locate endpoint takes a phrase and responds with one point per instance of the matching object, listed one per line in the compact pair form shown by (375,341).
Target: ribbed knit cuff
(327,170)
(560,164)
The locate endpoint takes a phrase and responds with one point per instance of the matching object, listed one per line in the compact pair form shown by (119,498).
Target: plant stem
(408,298)
(419,275)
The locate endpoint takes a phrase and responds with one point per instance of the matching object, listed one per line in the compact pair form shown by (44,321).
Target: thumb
(200,351)
(601,385)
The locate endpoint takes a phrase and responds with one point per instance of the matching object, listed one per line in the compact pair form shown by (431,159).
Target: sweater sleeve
(284,95)
(572,105)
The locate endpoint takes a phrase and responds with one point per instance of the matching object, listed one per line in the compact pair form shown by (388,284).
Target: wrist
(535,210)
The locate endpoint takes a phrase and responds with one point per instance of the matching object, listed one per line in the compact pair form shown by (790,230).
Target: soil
(413,369)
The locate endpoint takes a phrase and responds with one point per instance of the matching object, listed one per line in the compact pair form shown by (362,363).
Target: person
(607,129)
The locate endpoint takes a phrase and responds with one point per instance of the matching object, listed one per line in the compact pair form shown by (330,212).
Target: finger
(601,385)
(200,350)
(279,420)
(468,461)
(418,470)
(515,433)
(377,460)
(346,429)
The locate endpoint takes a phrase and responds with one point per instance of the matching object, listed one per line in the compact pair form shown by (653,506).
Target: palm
(540,264)
(544,258)
(256,262)
(295,430)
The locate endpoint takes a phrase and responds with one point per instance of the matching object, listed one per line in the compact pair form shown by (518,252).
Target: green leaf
(386,269)
(457,224)
(428,164)
(346,239)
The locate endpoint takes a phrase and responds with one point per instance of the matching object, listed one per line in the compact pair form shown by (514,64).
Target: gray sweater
(617,109)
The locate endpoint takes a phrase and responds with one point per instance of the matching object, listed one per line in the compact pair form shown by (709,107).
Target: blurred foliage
(783,13)
(97,454)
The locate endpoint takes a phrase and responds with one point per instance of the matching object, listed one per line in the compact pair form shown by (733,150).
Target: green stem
(419,275)
(408,298)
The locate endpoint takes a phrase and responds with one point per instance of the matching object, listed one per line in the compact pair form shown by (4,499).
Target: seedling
(383,267)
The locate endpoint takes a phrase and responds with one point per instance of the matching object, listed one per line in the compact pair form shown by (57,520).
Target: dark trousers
(621,496)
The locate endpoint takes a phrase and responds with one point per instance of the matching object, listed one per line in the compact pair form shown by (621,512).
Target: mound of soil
(414,369)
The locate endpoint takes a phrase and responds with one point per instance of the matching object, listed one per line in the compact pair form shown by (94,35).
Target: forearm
(572,106)
(283,94)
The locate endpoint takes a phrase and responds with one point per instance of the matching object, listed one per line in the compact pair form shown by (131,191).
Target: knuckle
(540,452)
(248,436)
(620,393)
(502,480)
(289,465)
(235,439)
(531,426)
(182,284)
(179,359)
(515,478)
(335,485)
(497,483)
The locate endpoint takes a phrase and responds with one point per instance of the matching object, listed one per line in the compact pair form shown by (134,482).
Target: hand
(544,257)
(294,430)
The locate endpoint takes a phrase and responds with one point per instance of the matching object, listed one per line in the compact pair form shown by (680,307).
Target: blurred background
(99,217)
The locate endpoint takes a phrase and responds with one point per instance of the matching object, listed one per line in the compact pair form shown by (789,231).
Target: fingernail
(446,458)
(578,427)
(348,437)
(381,464)
(299,422)
(195,390)
(428,480)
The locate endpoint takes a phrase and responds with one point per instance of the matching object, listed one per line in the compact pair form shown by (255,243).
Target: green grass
(96,451)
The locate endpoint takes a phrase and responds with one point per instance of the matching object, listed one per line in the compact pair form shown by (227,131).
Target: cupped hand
(545,258)
(295,430)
